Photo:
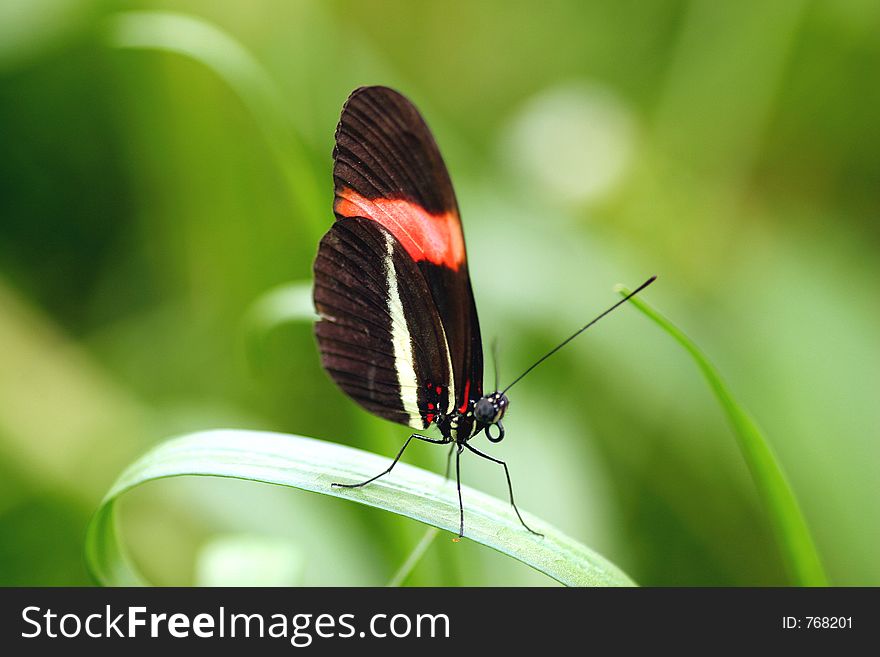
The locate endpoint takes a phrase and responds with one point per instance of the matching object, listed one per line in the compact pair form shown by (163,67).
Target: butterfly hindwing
(380,336)
(388,170)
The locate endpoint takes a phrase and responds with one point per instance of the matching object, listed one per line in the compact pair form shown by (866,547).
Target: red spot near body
(467,394)
(431,406)
(429,418)
(438,389)
(436,238)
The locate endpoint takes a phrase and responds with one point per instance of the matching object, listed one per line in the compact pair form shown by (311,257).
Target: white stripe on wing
(402,343)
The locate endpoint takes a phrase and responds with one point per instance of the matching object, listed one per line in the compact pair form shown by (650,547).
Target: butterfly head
(489,410)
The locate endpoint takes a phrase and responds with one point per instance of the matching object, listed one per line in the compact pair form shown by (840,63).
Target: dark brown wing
(380,336)
(388,169)
(385,150)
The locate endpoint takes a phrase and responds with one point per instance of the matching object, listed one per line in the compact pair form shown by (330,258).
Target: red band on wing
(467,397)
(436,238)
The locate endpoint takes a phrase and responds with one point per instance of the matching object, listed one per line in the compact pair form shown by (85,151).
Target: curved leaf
(312,465)
(796,543)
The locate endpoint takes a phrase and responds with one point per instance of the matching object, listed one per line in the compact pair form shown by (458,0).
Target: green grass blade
(796,543)
(414,557)
(312,465)
(219,52)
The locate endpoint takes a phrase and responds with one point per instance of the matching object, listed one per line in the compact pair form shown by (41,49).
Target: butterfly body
(398,329)
(394,266)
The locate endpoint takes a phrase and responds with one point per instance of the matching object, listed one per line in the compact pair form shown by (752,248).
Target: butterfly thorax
(457,426)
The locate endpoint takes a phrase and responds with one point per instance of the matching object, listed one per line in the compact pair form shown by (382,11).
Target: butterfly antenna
(495,360)
(578,332)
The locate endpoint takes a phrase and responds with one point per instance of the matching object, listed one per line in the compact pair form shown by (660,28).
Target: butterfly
(398,329)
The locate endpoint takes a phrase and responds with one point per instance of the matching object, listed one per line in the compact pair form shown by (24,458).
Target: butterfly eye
(485,411)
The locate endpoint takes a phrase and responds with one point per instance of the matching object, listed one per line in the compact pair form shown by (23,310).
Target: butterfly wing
(398,237)
(380,337)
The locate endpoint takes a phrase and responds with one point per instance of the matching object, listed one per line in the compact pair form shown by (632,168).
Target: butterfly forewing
(399,330)
(384,151)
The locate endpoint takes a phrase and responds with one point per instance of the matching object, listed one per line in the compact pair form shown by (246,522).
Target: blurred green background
(150,197)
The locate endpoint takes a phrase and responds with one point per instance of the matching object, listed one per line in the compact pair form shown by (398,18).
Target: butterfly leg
(509,485)
(458,485)
(449,462)
(441,441)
